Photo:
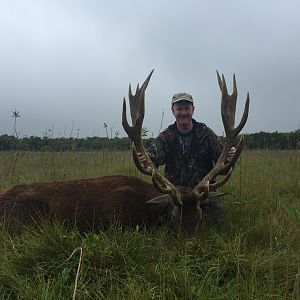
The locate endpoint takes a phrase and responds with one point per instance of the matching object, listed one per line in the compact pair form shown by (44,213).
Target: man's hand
(142,159)
(231,154)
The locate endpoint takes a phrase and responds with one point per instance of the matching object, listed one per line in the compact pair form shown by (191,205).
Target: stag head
(183,203)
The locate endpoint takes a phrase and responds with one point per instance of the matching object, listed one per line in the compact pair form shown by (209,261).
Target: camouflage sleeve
(157,151)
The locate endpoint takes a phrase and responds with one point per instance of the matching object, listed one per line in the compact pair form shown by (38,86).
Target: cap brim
(178,100)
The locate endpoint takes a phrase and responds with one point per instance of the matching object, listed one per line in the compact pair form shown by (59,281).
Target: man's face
(183,112)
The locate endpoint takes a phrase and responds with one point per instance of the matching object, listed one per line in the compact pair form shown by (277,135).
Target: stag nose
(190,222)
(190,229)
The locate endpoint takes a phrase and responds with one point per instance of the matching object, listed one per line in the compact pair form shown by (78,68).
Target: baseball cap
(182,97)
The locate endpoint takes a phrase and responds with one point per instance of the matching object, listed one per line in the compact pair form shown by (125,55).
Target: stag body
(85,202)
(90,203)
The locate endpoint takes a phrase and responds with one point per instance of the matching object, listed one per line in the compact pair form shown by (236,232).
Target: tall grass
(45,166)
(255,254)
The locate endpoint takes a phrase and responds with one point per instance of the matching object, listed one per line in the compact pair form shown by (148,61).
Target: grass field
(254,255)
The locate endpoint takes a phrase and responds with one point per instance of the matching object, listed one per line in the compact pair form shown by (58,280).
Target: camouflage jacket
(186,163)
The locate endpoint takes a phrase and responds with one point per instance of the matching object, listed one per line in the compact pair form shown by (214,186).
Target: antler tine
(129,91)
(244,116)
(228,105)
(137,103)
(228,108)
(223,180)
(219,80)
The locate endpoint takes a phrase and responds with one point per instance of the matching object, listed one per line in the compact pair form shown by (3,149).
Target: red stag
(89,203)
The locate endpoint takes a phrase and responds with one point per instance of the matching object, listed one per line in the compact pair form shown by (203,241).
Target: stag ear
(216,195)
(164,199)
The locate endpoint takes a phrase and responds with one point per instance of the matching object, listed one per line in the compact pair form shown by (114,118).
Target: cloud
(71,61)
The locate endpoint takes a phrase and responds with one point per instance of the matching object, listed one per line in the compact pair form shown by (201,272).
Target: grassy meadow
(255,254)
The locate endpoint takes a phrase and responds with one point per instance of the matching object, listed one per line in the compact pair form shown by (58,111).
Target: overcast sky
(67,63)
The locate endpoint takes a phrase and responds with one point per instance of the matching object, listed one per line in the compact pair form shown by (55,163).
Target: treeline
(274,140)
(261,140)
(35,143)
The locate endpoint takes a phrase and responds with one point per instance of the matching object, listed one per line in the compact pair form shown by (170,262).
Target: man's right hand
(142,159)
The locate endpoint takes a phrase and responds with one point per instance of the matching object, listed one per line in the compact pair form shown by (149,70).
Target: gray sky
(70,61)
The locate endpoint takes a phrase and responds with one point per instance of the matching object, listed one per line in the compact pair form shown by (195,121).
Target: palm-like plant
(15,115)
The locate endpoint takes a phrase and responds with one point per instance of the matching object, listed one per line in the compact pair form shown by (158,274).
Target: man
(187,148)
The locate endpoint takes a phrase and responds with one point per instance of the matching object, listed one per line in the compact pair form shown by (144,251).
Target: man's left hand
(231,154)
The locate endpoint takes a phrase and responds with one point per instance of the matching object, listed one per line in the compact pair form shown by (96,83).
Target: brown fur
(87,203)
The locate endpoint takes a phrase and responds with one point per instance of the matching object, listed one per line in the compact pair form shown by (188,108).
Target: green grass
(254,255)
(44,166)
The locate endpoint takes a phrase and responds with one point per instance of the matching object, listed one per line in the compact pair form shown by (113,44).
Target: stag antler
(134,132)
(137,111)
(228,107)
